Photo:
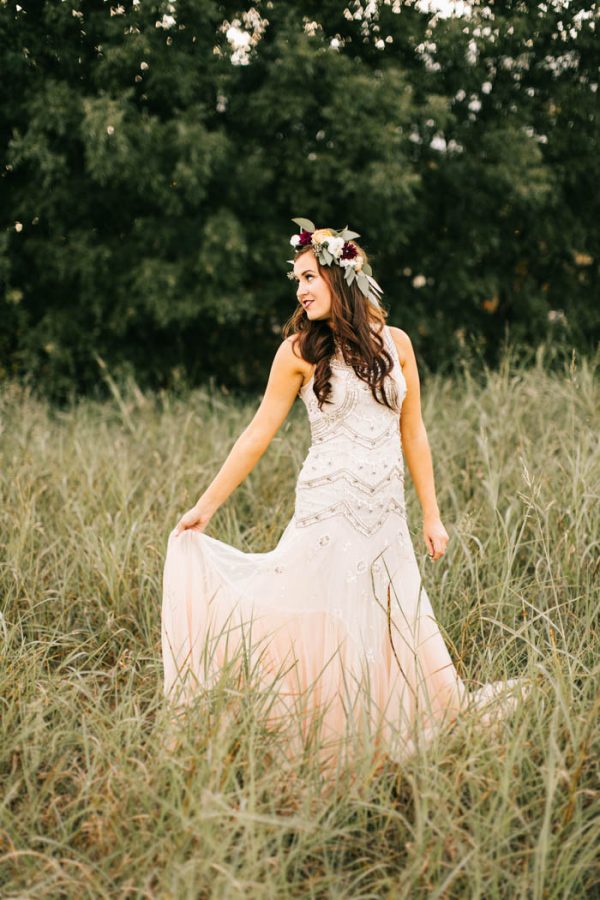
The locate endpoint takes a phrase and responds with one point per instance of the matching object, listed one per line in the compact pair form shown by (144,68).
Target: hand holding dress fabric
(196,518)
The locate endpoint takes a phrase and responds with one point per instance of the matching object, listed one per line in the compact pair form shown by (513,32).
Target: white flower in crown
(355,263)
(294,240)
(321,235)
(335,245)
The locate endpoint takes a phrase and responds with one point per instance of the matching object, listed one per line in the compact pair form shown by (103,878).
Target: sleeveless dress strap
(392,346)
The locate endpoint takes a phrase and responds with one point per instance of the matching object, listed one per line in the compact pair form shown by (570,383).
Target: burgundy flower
(349,251)
(305,238)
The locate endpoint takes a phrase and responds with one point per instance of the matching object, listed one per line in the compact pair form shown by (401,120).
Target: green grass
(93,805)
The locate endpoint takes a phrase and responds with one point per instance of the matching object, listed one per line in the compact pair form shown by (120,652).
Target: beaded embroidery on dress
(335,617)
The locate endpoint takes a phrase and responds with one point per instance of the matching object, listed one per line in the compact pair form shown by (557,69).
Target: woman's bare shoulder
(403,344)
(291,350)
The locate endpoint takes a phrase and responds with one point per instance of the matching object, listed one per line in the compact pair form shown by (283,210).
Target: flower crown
(330,247)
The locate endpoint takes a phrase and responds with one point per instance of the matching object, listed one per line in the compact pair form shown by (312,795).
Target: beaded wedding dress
(334,620)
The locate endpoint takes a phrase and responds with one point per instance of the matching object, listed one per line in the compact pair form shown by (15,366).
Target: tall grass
(94,805)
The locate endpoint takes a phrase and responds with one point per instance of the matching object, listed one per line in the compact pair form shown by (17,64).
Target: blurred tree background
(153,154)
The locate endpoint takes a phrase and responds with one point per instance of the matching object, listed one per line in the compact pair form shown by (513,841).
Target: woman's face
(313,291)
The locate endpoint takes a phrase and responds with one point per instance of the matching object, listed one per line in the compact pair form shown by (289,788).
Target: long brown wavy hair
(352,319)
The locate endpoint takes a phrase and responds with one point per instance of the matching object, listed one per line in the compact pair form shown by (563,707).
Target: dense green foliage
(94,806)
(151,163)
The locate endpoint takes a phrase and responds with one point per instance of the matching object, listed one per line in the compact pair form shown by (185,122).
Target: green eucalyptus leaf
(367,269)
(363,282)
(306,224)
(349,235)
(374,284)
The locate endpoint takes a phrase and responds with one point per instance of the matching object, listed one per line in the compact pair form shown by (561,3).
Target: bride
(334,620)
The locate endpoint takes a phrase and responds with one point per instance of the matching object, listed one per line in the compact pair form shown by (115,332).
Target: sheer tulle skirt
(344,641)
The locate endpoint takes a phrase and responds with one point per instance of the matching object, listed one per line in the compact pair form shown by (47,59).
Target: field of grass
(91,802)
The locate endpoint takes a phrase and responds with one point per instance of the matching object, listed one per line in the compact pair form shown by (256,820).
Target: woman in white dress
(334,620)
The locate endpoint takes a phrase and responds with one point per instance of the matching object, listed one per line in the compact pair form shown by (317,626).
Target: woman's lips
(308,303)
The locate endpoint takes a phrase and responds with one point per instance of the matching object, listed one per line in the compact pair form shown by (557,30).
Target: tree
(155,153)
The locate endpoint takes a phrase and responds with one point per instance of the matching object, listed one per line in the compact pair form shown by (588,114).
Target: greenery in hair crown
(336,247)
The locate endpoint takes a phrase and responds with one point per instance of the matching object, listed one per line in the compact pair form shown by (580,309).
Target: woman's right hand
(195,519)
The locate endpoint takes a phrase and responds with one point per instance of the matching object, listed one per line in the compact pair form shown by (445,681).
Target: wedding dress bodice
(354,466)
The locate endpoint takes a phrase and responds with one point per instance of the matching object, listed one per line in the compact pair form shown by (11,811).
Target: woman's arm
(284,382)
(415,445)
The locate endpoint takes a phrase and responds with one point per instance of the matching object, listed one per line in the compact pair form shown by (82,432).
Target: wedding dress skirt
(335,619)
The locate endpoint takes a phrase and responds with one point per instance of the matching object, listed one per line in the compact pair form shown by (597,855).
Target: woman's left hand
(436,536)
